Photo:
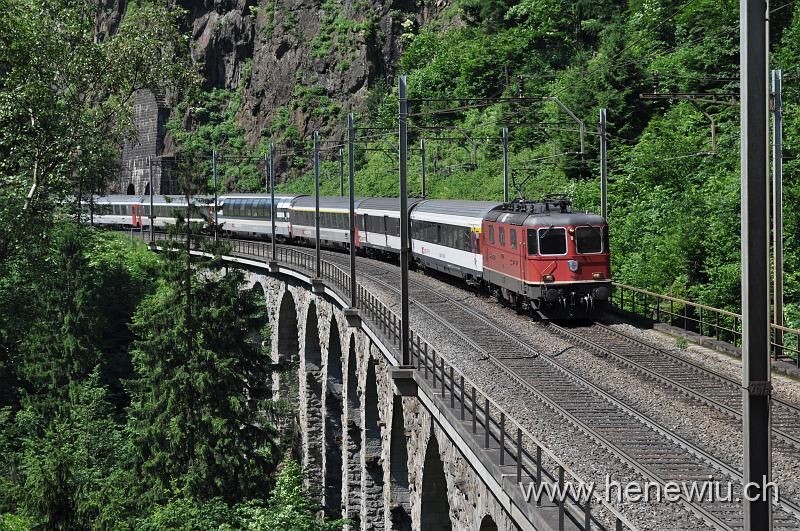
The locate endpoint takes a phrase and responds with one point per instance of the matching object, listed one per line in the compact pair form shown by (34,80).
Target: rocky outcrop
(302,63)
(297,65)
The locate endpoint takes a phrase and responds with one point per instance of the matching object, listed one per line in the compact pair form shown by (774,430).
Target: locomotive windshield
(553,241)
(589,240)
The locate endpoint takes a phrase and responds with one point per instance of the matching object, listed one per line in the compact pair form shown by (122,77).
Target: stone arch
(373,470)
(435,511)
(131,190)
(312,357)
(400,506)
(488,524)
(353,438)
(333,424)
(288,352)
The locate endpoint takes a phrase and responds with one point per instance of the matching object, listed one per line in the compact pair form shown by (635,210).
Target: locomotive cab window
(513,237)
(606,246)
(533,242)
(589,240)
(552,241)
(491,234)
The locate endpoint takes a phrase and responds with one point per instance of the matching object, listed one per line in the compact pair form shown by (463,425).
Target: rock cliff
(304,62)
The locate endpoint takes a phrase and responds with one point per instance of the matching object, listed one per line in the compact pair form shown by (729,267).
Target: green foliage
(338,33)
(205,121)
(289,508)
(66,100)
(186,514)
(200,385)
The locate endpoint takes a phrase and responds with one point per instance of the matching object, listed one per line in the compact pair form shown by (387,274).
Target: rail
(518,449)
(701,319)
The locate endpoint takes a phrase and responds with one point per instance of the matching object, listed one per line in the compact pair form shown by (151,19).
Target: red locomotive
(544,257)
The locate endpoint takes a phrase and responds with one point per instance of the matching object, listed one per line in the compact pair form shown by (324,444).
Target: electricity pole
(777,206)
(424,184)
(756,386)
(351,173)
(152,216)
(316,204)
(505,164)
(272,199)
(216,206)
(603,166)
(404,251)
(341,172)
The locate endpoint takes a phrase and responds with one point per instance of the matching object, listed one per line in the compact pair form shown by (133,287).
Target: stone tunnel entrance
(333,424)
(435,511)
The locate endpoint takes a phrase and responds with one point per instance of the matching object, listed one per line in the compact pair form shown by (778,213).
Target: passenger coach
(378,222)
(334,223)
(250,215)
(446,236)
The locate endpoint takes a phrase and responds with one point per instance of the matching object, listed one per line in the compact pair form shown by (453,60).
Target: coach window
(533,242)
(513,236)
(501,233)
(553,241)
(589,240)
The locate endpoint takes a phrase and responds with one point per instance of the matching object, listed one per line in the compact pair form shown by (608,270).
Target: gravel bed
(784,387)
(587,459)
(723,437)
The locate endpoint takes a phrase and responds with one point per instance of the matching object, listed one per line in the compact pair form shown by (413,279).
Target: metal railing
(491,425)
(701,319)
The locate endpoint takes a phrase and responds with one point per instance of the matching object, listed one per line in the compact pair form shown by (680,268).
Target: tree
(289,508)
(66,100)
(200,388)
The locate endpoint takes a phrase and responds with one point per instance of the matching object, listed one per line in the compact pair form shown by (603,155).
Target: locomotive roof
(545,219)
(478,209)
(390,204)
(339,202)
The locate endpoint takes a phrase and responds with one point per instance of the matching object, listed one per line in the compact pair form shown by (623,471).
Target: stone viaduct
(391,449)
(385,460)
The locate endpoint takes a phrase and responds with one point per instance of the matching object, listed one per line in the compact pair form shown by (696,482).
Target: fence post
(474,412)
(519,454)
(561,502)
(452,389)
(502,438)
(487,424)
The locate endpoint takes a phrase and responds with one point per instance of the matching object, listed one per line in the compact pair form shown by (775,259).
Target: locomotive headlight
(572,265)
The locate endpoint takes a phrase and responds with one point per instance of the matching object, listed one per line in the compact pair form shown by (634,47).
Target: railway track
(637,440)
(683,376)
